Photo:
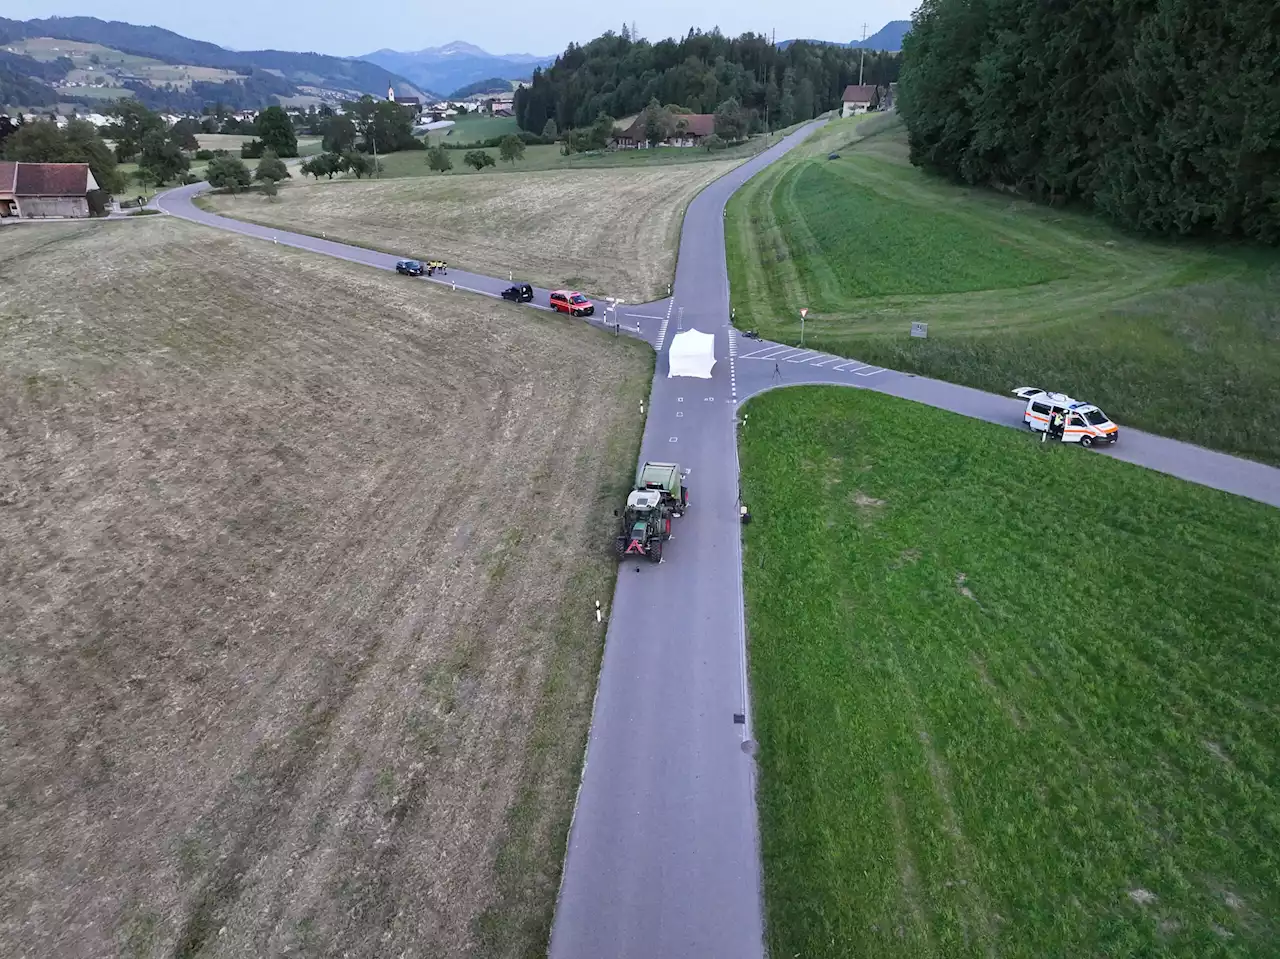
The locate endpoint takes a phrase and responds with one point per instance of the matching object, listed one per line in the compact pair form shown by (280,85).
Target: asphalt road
(663,857)
(756,360)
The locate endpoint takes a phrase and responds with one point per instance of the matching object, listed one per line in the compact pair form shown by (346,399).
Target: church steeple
(391,92)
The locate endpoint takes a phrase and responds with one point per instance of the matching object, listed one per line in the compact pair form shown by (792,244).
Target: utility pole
(862,58)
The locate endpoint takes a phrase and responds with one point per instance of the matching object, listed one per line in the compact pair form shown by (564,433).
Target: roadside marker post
(597,610)
(803,313)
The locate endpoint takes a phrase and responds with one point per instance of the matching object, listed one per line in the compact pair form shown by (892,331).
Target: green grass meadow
(1012,699)
(539,157)
(1181,339)
(472,127)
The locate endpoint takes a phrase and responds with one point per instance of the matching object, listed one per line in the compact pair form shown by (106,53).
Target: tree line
(1162,115)
(618,74)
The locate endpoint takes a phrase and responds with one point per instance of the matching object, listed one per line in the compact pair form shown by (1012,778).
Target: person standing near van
(1056,424)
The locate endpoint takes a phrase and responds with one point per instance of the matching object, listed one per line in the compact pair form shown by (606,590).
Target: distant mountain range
(887,38)
(248,78)
(456,65)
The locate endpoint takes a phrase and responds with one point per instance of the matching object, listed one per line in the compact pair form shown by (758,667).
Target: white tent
(692,353)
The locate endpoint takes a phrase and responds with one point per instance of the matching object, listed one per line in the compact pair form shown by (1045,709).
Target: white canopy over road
(692,353)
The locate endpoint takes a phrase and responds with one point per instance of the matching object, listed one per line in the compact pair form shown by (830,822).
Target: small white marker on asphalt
(597,610)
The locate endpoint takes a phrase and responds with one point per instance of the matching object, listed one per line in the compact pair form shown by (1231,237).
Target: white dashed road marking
(792,354)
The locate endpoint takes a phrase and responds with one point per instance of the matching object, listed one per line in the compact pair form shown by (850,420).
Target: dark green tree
(438,159)
(1161,114)
(131,122)
(730,121)
(478,160)
(511,148)
(271,167)
(228,173)
(659,123)
(383,126)
(183,133)
(619,76)
(339,134)
(549,130)
(361,164)
(326,165)
(275,130)
(162,157)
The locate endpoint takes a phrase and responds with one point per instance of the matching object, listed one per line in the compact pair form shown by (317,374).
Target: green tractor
(646,525)
(666,479)
(646,521)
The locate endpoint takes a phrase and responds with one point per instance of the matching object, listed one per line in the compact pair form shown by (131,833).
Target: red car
(571,302)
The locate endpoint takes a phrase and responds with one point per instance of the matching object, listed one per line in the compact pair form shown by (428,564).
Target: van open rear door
(1026,392)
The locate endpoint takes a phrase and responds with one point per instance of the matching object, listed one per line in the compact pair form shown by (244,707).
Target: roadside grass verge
(1011,699)
(531,856)
(1181,339)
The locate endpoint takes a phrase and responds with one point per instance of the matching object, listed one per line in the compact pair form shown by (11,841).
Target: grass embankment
(1178,338)
(292,662)
(1012,700)
(608,232)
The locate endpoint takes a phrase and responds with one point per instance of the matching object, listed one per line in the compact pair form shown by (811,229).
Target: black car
(520,293)
(410,267)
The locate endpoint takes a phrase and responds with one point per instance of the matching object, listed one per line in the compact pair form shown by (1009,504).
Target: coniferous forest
(618,75)
(1163,115)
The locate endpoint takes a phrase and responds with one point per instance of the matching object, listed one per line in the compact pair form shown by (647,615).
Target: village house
(857,98)
(690,130)
(35,190)
(501,105)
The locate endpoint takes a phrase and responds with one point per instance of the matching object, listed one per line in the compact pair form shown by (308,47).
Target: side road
(756,361)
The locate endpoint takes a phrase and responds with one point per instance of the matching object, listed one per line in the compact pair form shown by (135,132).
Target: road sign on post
(803,313)
(920,329)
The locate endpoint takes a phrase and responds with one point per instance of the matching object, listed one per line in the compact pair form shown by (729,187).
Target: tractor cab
(646,523)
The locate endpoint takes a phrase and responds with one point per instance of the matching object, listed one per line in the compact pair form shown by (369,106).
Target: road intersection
(663,856)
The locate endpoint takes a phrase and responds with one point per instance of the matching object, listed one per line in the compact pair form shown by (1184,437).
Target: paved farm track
(663,857)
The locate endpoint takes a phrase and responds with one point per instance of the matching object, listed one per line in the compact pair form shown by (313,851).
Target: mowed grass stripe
(1011,699)
(1181,339)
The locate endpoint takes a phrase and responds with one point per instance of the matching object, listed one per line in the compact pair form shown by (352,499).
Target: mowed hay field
(1181,339)
(298,567)
(607,232)
(1011,699)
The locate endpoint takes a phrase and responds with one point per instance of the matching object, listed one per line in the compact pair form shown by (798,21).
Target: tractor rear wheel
(654,550)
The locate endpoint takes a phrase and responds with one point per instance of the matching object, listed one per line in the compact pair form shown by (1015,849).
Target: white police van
(1084,423)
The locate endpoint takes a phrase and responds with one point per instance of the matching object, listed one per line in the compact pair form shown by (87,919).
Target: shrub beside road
(1011,699)
(1176,338)
(299,562)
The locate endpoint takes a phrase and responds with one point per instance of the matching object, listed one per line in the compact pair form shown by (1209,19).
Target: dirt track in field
(610,232)
(297,569)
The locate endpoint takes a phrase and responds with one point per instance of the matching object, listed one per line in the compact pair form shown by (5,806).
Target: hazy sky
(499,26)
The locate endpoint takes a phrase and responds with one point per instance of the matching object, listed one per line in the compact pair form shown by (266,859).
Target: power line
(863,56)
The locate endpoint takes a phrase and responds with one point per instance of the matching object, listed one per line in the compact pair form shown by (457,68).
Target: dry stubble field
(297,567)
(608,232)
